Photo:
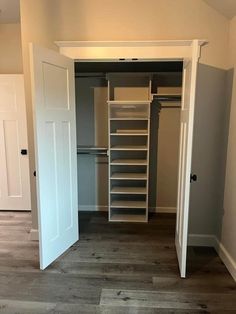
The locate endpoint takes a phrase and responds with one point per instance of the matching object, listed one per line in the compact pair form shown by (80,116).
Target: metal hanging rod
(92,153)
(91,150)
(90,75)
(167,98)
(170,107)
(88,147)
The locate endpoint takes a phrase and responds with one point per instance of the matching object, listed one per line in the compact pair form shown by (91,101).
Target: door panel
(185,157)
(56,153)
(14,167)
(12,153)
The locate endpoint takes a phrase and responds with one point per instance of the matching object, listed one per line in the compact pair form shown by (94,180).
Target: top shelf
(129,102)
(167,94)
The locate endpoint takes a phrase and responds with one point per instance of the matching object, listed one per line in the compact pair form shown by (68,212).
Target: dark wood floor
(114,268)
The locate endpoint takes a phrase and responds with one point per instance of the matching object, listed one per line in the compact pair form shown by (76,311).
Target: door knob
(193,177)
(23,152)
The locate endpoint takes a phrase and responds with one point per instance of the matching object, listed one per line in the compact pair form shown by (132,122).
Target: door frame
(105,51)
(102,51)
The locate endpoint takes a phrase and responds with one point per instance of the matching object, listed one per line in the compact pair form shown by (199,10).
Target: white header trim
(128,43)
(128,50)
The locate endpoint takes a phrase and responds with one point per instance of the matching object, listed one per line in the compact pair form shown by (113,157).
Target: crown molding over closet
(112,50)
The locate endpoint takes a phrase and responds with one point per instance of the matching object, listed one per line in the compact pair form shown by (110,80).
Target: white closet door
(56,155)
(185,158)
(14,161)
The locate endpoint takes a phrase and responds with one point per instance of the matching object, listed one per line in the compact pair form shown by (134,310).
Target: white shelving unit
(129,130)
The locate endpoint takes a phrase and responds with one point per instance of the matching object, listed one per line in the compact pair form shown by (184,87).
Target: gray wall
(91,106)
(211,125)
(92,170)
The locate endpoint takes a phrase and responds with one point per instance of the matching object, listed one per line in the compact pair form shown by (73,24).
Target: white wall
(168,154)
(145,20)
(10,49)
(36,26)
(228,235)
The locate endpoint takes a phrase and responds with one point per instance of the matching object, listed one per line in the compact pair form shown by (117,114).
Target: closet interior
(128,116)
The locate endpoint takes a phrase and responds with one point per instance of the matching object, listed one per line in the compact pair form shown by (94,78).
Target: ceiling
(225,7)
(9,11)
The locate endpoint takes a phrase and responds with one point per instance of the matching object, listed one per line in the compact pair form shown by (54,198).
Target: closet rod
(170,107)
(93,153)
(92,150)
(167,98)
(90,76)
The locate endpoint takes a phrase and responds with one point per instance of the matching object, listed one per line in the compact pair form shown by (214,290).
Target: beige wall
(145,20)
(228,237)
(45,21)
(37,27)
(10,49)
(168,153)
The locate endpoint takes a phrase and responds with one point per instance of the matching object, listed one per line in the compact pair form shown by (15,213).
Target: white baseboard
(15,209)
(158,209)
(34,235)
(92,208)
(212,241)
(228,260)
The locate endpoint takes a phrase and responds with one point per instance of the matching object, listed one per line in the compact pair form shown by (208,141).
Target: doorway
(93,136)
(53,92)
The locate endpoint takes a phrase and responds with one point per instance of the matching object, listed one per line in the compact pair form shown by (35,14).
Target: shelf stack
(129,129)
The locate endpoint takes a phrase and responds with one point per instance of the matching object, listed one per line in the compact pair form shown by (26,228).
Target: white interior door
(56,155)
(185,157)
(14,161)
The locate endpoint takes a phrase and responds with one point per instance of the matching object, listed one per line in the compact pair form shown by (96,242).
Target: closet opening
(128,129)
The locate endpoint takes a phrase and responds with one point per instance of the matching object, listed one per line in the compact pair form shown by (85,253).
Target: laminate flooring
(116,268)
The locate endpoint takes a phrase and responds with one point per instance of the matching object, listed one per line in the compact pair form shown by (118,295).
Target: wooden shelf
(128,102)
(134,162)
(129,134)
(128,204)
(128,147)
(131,131)
(129,190)
(129,119)
(128,218)
(129,176)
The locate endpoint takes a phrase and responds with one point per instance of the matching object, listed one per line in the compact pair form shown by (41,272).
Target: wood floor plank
(21,307)
(47,287)
(14,233)
(14,250)
(19,265)
(219,283)
(182,301)
(69,288)
(126,253)
(160,239)
(115,269)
